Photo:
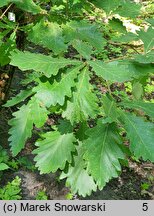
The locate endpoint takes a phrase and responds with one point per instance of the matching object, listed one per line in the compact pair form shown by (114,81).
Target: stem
(81,58)
(67,9)
(7,88)
(125,44)
(108,86)
(1,17)
(115,59)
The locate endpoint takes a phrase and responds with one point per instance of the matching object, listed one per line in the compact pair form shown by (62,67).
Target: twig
(1,17)
(134,49)
(116,59)
(125,44)
(108,86)
(67,8)
(11,74)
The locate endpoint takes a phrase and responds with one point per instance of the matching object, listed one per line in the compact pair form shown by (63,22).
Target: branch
(1,17)
(125,44)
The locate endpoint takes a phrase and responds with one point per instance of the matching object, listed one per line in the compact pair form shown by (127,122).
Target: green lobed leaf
(109,107)
(147,38)
(83,48)
(117,25)
(39,113)
(4,157)
(77,176)
(124,8)
(64,126)
(145,58)
(31,77)
(112,71)
(84,31)
(125,38)
(5,49)
(19,98)
(4,2)
(82,128)
(102,153)
(120,71)
(148,108)
(128,9)
(84,103)
(137,90)
(107,5)
(51,94)
(3,166)
(3,33)
(20,131)
(49,35)
(39,62)
(27,5)
(22,124)
(54,151)
(7,26)
(140,134)
(151,21)
(138,70)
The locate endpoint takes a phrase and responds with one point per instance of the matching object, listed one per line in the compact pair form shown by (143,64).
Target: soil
(126,187)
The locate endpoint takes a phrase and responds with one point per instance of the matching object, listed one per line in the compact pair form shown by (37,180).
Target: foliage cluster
(61,59)
(12,190)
